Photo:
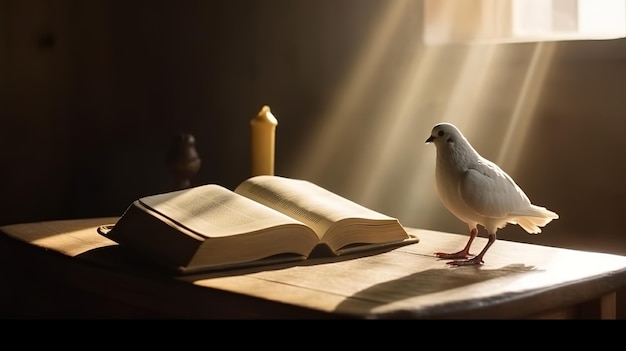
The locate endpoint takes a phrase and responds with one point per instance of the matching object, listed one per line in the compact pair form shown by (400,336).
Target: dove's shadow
(427,282)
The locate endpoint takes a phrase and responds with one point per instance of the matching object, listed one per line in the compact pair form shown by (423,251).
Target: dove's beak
(430,139)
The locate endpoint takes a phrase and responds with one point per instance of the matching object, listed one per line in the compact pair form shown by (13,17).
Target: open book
(266,219)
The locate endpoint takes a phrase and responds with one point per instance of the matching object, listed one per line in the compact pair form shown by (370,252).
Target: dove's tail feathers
(529,224)
(544,212)
(532,224)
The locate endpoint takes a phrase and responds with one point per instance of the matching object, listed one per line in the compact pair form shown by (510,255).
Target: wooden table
(65,269)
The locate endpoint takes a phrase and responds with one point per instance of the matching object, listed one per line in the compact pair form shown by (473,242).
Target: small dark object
(182,160)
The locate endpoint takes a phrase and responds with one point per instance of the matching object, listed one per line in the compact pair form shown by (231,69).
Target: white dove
(477,192)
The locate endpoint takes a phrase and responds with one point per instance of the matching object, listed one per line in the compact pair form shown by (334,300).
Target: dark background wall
(91,93)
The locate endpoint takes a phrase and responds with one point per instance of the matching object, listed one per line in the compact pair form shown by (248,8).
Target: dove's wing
(490,192)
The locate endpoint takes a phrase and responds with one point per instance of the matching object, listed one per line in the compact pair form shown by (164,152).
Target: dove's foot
(469,262)
(454,256)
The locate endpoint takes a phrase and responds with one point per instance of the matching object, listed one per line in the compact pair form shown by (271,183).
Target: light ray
(333,125)
(522,116)
(387,165)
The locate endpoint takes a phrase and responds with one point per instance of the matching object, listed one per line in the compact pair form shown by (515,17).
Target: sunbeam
(376,155)
(334,124)
(523,111)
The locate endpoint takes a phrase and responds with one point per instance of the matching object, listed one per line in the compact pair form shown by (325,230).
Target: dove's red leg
(478,259)
(463,253)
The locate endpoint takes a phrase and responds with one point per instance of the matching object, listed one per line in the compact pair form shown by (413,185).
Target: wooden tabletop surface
(517,279)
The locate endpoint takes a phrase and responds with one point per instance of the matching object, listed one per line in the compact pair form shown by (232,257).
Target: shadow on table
(130,261)
(437,282)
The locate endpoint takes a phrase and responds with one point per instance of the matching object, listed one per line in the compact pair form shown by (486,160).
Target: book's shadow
(125,260)
(319,256)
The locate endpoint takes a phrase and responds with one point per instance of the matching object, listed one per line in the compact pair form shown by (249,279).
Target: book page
(307,202)
(212,211)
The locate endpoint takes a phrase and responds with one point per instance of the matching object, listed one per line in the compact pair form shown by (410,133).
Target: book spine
(155,236)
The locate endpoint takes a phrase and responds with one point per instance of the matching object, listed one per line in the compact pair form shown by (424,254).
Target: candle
(263,135)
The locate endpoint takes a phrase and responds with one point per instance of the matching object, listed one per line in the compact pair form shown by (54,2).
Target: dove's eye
(441,133)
